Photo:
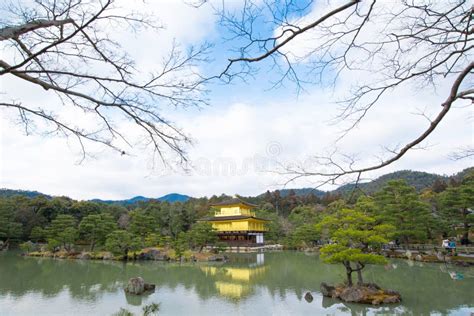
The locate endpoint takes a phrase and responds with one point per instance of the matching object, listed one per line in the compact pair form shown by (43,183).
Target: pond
(250,284)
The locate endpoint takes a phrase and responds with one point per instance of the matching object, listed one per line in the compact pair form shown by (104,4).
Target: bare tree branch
(67,48)
(418,43)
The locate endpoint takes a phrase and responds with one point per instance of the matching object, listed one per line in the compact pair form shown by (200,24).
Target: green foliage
(356,238)
(220,247)
(151,309)
(180,244)
(27,246)
(123,312)
(141,224)
(9,228)
(302,237)
(94,228)
(418,180)
(153,240)
(275,225)
(82,209)
(366,205)
(438,210)
(53,244)
(38,234)
(201,235)
(455,203)
(336,253)
(301,215)
(337,206)
(120,242)
(62,232)
(400,206)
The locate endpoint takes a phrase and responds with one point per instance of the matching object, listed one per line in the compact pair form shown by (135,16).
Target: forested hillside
(419,180)
(443,209)
(30,194)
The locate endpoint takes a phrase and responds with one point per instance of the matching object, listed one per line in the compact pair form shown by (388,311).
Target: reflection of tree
(282,275)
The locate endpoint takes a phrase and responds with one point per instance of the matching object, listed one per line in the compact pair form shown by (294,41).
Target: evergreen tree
(301,215)
(94,228)
(202,234)
(400,205)
(141,224)
(9,228)
(457,204)
(303,236)
(62,232)
(356,237)
(120,242)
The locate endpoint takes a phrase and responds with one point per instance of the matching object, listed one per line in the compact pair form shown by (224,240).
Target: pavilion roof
(235,217)
(234,201)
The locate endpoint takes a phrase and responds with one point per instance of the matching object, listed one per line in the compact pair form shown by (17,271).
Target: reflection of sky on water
(250,284)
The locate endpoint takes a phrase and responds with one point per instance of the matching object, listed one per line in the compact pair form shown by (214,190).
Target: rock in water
(327,290)
(352,294)
(149,287)
(138,286)
(308,297)
(366,294)
(135,286)
(419,258)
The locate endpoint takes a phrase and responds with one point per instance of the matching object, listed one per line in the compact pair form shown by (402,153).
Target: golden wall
(239,225)
(233,211)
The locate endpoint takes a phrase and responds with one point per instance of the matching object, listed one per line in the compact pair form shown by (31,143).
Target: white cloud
(235,141)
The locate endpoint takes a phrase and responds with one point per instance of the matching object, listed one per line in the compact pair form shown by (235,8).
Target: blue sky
(240,138)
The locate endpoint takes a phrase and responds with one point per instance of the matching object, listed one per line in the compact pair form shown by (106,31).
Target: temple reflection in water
(237,280)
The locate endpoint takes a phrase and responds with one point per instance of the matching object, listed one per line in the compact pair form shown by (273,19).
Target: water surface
(250,284)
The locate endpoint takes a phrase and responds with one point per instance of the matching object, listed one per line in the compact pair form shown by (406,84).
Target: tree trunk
(348,273)
(465,236)
(125,254)
(92,245)
(360,280)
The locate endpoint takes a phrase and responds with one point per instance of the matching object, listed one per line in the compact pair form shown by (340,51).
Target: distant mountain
(171,198)
(30,194)
(299,192)
(461,174)
(417,179)
(174,197)
(420,180)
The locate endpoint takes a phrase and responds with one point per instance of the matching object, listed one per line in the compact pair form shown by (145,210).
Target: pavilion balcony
(234,213)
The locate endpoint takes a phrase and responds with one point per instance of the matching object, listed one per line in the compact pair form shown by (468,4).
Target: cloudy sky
(245,133)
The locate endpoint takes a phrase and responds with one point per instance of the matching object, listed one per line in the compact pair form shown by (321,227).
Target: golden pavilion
(236,223)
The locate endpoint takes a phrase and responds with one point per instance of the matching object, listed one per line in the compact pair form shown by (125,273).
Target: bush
(220,247)
(151,309)
(153,240)
(28,246)
(53,245)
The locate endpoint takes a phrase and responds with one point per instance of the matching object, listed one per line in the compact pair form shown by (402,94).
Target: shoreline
(207,255)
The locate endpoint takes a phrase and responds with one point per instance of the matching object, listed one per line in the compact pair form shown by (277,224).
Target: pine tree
(400,205)
(456,204)
(356,239)
(95,228)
